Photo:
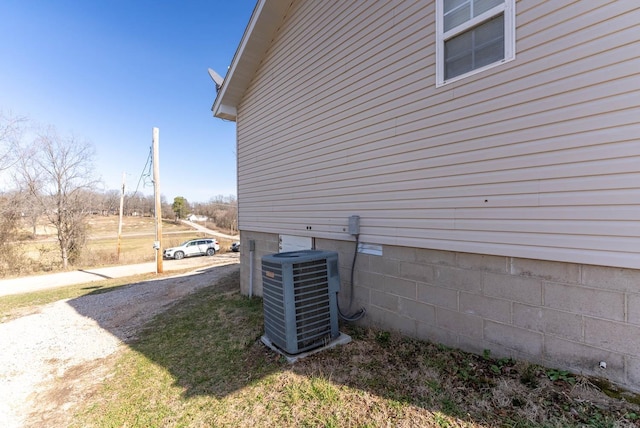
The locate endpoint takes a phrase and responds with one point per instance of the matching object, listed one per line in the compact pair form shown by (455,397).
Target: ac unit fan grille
(273,302)
(307,292)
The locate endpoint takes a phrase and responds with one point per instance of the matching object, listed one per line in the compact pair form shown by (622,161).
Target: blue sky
(108,71)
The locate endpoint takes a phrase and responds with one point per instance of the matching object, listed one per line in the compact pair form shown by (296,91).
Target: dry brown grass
(136,245)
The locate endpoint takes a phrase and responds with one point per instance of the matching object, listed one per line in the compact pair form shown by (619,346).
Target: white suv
(195,247)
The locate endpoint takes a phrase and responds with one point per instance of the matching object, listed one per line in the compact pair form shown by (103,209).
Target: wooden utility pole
(156,189)
(124,174)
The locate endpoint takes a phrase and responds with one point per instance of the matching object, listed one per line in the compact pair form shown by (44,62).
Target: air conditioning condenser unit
(300,299)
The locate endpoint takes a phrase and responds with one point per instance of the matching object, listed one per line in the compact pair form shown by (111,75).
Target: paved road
(209,231)
(41,282)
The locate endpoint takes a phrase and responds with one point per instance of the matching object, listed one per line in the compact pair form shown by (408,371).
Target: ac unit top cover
(299,256)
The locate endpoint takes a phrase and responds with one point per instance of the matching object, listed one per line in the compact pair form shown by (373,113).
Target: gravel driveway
(51,359)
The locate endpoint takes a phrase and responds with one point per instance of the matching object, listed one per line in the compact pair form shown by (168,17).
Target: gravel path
(66,345)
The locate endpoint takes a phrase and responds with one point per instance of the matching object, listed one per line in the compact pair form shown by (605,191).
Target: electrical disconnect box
(354,225)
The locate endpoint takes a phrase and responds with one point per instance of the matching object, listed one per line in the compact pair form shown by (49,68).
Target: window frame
(507,8)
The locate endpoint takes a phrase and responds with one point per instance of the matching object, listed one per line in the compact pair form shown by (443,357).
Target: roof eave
(225,112)
(265,20)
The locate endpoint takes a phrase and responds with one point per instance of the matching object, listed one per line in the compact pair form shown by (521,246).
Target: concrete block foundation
(561,315)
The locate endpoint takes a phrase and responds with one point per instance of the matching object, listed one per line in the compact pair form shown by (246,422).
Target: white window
(473,35)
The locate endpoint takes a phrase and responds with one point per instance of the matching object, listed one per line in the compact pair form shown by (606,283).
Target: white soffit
(265,20)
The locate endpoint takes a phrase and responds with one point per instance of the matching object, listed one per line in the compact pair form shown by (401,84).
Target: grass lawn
(201,364)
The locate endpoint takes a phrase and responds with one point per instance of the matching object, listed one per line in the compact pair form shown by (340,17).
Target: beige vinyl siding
(537,158)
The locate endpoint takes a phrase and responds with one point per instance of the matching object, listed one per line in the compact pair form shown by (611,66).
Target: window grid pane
(456,17)
(457,12)
(475,48)
(481,6)
(449,5)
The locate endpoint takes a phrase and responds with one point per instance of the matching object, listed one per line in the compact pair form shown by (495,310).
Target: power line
(143,174)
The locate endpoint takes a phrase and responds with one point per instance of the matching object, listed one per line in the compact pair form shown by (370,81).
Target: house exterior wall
(561,315)
(506,204)
(537,158)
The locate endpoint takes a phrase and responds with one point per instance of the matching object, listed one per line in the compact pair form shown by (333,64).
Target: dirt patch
(54,404)
(54,359)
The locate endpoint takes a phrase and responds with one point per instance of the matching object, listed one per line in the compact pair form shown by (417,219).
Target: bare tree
(9,215)
(221,210)
(10,132)
(110,202)
(28,184)
(11,259)
(57,173)
(166,208)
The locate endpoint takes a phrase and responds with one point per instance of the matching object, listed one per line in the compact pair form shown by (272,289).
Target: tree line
(49,178)
(219,210)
